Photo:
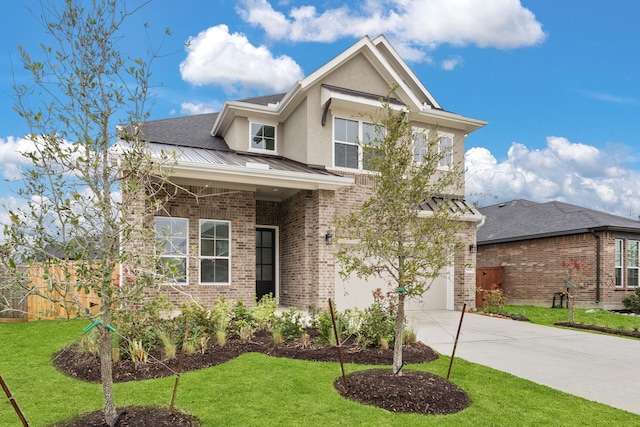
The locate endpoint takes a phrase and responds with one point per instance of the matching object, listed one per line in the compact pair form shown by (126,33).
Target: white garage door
(355,292)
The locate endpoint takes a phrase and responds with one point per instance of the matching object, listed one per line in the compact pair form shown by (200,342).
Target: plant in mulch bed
(135,417)
(415,392)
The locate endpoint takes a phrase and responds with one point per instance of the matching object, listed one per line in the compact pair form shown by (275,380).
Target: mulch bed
(414,391)
(135,417)
(599,329)
(417,392)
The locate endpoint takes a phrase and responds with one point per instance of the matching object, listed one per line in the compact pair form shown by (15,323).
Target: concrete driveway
(597,367)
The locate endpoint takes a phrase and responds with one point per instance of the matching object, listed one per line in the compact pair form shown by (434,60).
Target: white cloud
(451,63)
(217,57)
(11,159)
(412,25)
(574,173)
(191,108)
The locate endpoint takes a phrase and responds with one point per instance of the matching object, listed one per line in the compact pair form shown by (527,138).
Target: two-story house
(261,182)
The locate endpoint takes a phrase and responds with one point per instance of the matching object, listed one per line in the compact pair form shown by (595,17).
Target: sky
(557,80)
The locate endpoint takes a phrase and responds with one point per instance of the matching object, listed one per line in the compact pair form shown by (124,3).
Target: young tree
(75,226)
(388,236)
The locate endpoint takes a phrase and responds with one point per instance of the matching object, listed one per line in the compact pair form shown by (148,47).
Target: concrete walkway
(597,367)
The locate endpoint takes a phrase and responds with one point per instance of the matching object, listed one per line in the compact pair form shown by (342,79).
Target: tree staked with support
(389,236)
(83,95)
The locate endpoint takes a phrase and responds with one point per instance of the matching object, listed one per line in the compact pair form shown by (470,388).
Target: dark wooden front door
(265,262)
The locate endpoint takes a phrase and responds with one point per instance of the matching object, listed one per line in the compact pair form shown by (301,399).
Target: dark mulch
(414,391)
(599,329)
(418,392)
(80,365)
(135,417)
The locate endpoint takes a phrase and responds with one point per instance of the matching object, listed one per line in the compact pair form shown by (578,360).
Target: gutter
(598,279)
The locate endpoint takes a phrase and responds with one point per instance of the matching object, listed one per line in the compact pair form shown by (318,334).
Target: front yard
(259,390)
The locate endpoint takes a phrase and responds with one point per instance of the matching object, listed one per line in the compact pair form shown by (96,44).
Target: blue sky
(558,81)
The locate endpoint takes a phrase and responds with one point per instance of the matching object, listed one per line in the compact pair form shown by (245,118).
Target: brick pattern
(533,270)
(307,265)
(239,207)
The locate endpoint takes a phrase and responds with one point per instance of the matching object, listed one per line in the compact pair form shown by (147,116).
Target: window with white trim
(215,252)
(420,146)
(619,248)
(632,262)
(172,237)
(351,139)
(445,149)
(263,137)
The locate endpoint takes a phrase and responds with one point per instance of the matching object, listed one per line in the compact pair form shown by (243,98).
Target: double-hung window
(263,137)
(354,143)
(420,146)
(215,252)
(632,262)
(445,149)
(172,244)
(618,257)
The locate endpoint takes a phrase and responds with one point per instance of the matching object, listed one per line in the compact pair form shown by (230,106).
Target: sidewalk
(597,367)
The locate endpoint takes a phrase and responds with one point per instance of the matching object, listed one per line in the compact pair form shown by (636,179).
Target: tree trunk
(106,374)
(397,344)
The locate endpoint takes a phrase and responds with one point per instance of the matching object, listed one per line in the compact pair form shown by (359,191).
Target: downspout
(597,265)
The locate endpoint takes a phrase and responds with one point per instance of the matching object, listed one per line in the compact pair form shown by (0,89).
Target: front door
(265,262)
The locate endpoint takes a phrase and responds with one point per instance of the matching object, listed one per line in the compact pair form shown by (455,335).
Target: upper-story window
(263,137)
(420,146)
(351,139)
(445,148)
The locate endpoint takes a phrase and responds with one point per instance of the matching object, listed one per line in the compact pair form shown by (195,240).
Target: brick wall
(533,270)
(239,207)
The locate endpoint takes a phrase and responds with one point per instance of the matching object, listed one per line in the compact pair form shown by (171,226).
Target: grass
(257,390)
(549,316)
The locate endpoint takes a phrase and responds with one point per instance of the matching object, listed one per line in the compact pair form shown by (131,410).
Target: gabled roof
(387,63)
(524,220)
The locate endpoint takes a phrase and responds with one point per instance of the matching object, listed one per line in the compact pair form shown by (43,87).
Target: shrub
(325,328)
(494,299)
(632,302)
(290,323)
(379,319)
(264,312)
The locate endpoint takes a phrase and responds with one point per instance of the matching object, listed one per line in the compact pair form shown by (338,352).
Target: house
(529,242)
(261,182)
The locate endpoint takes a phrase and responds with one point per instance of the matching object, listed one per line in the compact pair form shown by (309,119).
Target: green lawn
(257,390)
(549,316)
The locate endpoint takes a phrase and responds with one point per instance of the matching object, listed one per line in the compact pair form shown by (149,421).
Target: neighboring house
(263,180)
(529,241)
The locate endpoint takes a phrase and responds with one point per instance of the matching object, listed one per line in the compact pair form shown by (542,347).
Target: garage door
(355,292)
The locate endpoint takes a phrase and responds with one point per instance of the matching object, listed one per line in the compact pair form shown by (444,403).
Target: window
(618,262)
(632,262)
(348,152)
(172,238)
(445,149)
(263,137)
(420,146)
(214,251)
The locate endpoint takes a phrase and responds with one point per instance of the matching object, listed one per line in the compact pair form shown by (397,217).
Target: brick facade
(533,270)
(307,267)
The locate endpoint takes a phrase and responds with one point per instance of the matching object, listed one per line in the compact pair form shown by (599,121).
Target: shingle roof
(524,220)
(264,100)
(189,131)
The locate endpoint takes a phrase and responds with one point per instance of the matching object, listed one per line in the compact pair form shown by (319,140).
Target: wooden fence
(43,302)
